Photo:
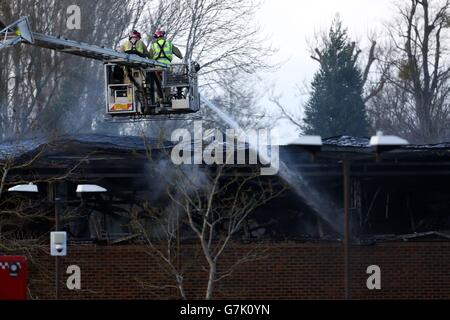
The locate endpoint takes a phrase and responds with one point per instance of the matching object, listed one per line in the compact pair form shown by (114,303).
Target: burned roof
(14,148)
(419,181)
(72,143)
(18,148)
(341,147)
(347,141)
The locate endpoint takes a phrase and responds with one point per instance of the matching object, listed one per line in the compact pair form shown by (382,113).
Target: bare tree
(44,90)
(221,36)
(217,34)
(47,91)
(419,80)
(209,206)
(240,99)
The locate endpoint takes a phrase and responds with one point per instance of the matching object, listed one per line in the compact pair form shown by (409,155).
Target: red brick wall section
(284,271)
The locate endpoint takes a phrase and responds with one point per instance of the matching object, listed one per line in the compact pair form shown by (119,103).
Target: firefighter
(134,45)
(163,50)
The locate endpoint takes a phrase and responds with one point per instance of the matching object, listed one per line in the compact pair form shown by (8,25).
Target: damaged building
(399,219)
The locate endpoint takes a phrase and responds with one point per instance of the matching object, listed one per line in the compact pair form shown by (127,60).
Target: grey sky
(292,23)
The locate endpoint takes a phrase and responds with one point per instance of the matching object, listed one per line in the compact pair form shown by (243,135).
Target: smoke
(164,176)
(313,198)
(173,186)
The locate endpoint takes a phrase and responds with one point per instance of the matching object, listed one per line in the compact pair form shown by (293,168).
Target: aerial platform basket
(177,75)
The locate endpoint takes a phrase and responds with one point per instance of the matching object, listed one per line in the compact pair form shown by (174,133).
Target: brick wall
(284,271)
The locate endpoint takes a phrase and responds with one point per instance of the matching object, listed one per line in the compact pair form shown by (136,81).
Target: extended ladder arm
(19,32)
(16,32)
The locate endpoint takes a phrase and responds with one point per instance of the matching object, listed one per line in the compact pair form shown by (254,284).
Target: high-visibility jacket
(162,51)
(138,47)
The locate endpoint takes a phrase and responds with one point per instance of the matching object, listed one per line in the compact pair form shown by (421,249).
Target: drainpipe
(346,172)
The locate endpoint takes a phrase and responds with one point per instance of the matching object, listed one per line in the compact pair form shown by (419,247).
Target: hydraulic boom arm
(19,32)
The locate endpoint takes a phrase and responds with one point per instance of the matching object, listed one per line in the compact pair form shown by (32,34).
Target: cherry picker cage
(134,86)
(151,91)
